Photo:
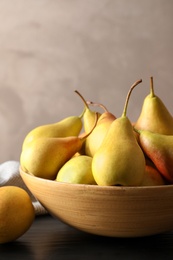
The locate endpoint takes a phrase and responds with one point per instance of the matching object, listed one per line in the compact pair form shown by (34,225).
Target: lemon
(16,213)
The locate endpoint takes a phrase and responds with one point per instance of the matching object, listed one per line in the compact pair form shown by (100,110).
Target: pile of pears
(99,148)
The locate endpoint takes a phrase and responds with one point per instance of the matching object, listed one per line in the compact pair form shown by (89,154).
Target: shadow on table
(49,240)
(15,250)
(69,243)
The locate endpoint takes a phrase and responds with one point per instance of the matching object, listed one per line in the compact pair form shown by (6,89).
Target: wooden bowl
(104,210)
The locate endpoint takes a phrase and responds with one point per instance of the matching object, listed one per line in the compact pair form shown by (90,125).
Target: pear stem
(97,104)
(95,123)
(81,115)
(128,97)
(86,105)
(137,130)
(151,87)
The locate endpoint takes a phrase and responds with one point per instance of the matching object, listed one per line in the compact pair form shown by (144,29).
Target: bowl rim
(125,199)
(98,187)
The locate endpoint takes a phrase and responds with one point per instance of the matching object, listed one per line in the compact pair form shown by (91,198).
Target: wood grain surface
(49,238)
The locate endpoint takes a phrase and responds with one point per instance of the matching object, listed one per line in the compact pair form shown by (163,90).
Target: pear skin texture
(77,171)
(89,115)
(119,160)
(89,118)
(70,126)
(152,177)
(45,156)
(82,149)
(159,148)
(155,117)
(94,140)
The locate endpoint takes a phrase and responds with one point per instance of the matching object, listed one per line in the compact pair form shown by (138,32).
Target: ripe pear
(44,156)
(88,115)
(159,148)
(119,160)
(154,115)
(82,149)
(94,140)
(70,126)
(77,170)
(152,177)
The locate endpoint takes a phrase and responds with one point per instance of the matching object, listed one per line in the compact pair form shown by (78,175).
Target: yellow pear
(94,140)
(77,170)
(44,156)
(88,115)
(154,115)
(70,126)
(119,160)
(82,150)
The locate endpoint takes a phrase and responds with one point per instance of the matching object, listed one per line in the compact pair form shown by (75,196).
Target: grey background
(49,48)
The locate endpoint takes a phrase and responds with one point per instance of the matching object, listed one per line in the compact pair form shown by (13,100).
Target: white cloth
(10,175)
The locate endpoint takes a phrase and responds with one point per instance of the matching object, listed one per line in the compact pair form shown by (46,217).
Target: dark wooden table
(49,239)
